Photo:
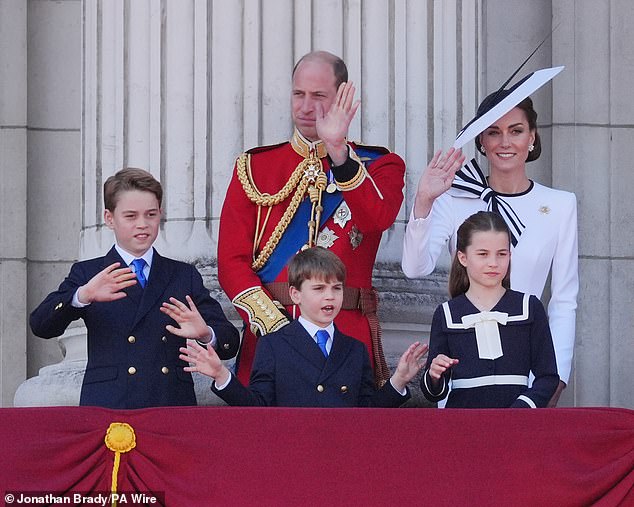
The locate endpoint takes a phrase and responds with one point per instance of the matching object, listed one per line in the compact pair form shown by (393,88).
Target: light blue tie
(322,337)
(139,264)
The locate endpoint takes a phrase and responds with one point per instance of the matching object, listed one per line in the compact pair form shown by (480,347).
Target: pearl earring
(531,147)
(483,150)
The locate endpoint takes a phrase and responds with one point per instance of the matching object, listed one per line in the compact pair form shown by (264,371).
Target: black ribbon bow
(471,179)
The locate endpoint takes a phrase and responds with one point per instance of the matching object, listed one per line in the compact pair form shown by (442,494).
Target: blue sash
(296,235)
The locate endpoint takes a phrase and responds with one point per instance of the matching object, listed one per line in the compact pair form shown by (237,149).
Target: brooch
(544,210)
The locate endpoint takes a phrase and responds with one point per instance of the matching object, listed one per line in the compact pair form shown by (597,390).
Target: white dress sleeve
(426,237)
(564,288)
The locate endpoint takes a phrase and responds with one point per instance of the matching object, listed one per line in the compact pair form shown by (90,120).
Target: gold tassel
(119,438)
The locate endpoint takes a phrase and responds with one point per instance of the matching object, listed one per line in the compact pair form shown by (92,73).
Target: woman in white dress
(542,220)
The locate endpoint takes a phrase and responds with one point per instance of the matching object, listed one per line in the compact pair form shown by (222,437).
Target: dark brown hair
(482,221)
(317,263)
(531,117)
(129,178)
(339,68)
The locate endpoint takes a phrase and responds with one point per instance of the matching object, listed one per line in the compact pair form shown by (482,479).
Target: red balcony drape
(203,456)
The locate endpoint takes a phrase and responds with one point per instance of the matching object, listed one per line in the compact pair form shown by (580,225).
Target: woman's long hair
(482,221)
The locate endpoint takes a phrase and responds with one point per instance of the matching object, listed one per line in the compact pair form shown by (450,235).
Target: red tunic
(373,205)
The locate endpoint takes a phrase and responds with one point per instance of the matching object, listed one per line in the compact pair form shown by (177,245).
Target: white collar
(128,257)
(312,329)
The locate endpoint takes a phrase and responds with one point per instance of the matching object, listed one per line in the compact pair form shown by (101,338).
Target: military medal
(311,172)
(342,215)
(331,188)
(356,236)
(326,238)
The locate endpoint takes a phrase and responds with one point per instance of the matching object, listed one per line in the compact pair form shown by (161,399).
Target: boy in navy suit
(134,333)
(309,363)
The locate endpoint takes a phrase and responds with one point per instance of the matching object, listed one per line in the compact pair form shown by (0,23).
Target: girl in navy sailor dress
(488,338)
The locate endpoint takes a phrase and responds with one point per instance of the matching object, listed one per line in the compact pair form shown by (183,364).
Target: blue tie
(139,264)
(322,337)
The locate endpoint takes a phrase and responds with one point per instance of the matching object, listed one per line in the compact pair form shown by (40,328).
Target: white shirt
(549,241)
(128,258)
(312,329)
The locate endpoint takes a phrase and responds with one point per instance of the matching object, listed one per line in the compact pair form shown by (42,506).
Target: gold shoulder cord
(264,199)
(308,175)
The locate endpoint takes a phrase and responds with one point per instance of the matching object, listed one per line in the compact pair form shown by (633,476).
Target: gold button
(58,306)
(320,388)
(226,346)
(164,339)
(344,389)
(165,370)
(131,339)
(131,370)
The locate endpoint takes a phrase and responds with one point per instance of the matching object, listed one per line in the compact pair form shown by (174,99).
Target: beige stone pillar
(593,153)
(13,165)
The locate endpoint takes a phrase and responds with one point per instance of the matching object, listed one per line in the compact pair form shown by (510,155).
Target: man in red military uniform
(316,190)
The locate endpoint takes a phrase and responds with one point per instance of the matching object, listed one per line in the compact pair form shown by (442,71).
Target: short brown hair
(339,68)
(315,262)
(129,178)
(482,221)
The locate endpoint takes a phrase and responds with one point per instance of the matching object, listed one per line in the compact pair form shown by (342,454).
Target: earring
(531,147)
(483,150)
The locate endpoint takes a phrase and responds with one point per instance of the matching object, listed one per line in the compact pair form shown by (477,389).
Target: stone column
(54,175)
(593,156)
(13,164)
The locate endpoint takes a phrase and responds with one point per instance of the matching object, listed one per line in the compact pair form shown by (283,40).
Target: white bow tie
(487,332)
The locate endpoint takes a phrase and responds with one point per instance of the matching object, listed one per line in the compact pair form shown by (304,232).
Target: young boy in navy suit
(309,363)
(134,333)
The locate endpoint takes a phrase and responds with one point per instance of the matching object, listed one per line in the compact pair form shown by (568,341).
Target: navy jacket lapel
(299,339)
(340,349)
(134,292)
(158,280)
(126,308)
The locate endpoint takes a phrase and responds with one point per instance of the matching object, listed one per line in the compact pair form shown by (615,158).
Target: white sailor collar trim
(456,322)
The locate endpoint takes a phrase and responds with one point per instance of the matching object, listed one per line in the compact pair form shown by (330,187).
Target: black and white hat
(501,102)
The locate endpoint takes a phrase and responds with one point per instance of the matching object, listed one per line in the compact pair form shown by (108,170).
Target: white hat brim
(532,84)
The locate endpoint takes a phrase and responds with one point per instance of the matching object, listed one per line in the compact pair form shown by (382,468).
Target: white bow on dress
(487,332)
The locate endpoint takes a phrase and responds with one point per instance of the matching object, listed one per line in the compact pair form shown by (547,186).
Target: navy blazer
(132,359)
(289,370)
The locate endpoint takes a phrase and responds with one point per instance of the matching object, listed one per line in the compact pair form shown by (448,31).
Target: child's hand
(191,324)
(439,365)
(107,285)
(409,365)
(204,360)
